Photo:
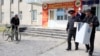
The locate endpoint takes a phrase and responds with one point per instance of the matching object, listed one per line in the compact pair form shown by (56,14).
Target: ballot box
(83,33)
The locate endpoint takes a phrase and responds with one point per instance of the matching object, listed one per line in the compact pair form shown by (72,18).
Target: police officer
(71,30)
(92,20)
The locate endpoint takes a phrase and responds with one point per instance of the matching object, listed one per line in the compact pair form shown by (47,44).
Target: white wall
(15,7)
(6,10)
(26,13)
(39,15)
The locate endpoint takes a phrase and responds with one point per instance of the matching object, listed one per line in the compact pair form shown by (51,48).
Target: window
(2,15)
(20,15)
(60,17)
(20,0)
(61,14)
(34,14)
(2,2)
(12,1)
(12,14)
(60,9)
(51,14)
(65,17)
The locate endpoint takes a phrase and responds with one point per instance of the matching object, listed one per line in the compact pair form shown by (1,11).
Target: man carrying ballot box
(93,22)
(71,28)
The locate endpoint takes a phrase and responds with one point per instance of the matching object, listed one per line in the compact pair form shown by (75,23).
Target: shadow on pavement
(96,54)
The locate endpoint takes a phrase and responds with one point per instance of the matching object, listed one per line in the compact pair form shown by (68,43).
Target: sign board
(78,3)
(83,33)
(61,5)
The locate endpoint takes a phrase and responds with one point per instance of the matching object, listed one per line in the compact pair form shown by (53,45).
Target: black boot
(76,48)
(90,54)
(69,46)
(87,50)
(68,49)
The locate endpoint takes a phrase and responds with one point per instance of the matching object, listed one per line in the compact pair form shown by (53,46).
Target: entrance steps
(45,32)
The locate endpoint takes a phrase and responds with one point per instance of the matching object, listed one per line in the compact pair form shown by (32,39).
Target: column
(0,12)
(6,11)
(99,14)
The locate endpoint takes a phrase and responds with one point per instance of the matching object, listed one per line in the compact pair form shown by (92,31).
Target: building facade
(29,14)
(57,15)
(50,14)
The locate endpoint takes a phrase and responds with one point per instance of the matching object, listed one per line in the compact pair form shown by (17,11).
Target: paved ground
(60,50)
(43,46)
(29,46)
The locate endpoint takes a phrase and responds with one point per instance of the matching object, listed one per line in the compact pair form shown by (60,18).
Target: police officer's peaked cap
(71,11)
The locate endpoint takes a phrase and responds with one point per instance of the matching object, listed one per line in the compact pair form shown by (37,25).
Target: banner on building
(83,33)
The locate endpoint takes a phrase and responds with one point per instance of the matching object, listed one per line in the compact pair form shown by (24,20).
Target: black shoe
(68,49)
(77,48)
(90,54)
(17,40)
(87,50)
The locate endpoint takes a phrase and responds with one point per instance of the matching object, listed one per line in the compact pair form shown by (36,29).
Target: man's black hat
(88,10)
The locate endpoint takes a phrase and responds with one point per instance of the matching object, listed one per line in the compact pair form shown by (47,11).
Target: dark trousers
(70,35)
(13,29)
(90,46)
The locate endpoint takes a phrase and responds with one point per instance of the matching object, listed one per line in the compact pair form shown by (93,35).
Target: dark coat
(81,17)
(94,20)
(15,21)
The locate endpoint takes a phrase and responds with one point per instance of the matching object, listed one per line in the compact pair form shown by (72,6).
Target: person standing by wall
(15,23)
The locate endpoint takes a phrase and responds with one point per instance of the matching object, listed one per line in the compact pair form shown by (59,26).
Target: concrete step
(45,29)
(45,32)
(38,31)
(46,35)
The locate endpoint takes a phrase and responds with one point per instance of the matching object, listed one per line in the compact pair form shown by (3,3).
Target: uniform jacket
(70,25)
